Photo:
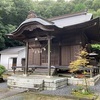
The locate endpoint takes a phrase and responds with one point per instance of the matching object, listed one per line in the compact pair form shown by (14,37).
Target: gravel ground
(67,90)
(61,92)
(3,85)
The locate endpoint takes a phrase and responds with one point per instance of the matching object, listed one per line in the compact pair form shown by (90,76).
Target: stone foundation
(50,84)
(36,82)
(81,81)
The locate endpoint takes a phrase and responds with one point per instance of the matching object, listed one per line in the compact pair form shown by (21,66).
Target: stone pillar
(91,73)
(26,58)
(49,56)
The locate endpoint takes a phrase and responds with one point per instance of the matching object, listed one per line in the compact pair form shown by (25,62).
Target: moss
(86,95)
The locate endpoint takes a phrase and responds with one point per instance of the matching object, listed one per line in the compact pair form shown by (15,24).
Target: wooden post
(99,70)
(26,58)
(49,56)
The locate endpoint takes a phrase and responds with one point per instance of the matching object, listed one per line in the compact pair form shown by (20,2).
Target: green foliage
(96,4)
(79,7)
(85,95)
(13,12)
(96,46)
(2,69)
(2,42)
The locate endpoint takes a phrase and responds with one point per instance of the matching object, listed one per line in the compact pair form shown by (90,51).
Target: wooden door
(34,56)
(14,61)
(54,56)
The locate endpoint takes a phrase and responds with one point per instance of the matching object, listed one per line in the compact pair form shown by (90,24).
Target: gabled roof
(61,21)
(74,19)
(12,50)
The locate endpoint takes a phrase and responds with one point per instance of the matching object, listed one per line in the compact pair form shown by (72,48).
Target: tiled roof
(61,21)
(72,20)
(12,50)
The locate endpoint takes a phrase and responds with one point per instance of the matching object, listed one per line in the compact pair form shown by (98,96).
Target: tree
(79,7)
(10,17)
(14,12)
(96,4)
(81,62)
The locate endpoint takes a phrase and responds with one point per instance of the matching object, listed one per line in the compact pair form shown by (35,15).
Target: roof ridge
(67,15)
(13,48)
(46,20)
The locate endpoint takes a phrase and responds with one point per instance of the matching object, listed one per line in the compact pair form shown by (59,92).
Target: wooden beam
(41,38)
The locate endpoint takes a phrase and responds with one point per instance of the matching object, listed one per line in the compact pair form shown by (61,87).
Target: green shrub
(2,69)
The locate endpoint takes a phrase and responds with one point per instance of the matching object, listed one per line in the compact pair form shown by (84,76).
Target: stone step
(43,71)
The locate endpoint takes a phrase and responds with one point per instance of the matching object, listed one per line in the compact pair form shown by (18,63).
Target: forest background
(13,12)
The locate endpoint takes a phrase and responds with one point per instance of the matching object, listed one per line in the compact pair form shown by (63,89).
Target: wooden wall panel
(68,54)
(36,56)
(30,57)
(74,52)
(55,52)
(65,55)
(72,39)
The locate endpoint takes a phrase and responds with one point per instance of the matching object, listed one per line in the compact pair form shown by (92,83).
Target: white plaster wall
(7,61)
(21,54)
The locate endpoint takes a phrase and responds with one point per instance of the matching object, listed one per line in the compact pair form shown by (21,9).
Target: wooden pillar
(49,56)
(26,58)
(99,70)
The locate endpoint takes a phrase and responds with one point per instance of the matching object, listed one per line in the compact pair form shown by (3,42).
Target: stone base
(81,81)
(37,82)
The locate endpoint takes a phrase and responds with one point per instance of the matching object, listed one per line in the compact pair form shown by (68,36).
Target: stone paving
(5,92)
